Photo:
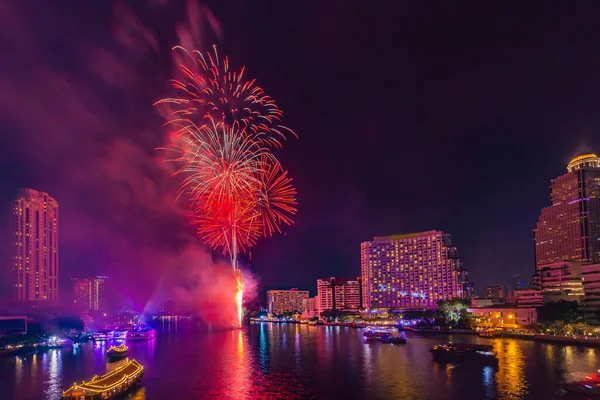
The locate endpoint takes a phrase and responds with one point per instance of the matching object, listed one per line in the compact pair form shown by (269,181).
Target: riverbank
(538,337)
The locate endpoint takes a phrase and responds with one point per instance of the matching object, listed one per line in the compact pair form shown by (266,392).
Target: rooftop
(406,236)
(584,160)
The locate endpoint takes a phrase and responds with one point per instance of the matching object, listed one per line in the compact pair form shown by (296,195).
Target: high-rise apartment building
(280,301)
(35,241)
(569,229)
(90,293)
(411,271)
(339,294)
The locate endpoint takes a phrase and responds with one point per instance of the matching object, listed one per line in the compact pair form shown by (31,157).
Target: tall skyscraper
(280,301)
(410,271)
(35,240)
(569,229)
(339,294)
(90,293)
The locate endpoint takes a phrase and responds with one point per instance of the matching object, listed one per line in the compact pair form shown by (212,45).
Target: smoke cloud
(77,118)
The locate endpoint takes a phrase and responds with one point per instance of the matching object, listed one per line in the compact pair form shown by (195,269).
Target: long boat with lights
(108,386)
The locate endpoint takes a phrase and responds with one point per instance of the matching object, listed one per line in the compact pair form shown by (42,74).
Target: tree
(329,315)
(562,310)
(288,314)
(412,314)
(454,310)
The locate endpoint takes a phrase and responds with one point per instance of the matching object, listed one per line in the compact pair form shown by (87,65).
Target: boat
(589,386)
(118,334)
(117,352)
(374,332)
(141,334)
(394,339)
(54,343)
(464,352)
(111,385)
(101,335)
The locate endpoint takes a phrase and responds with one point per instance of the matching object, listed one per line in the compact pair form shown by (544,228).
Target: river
(290,361)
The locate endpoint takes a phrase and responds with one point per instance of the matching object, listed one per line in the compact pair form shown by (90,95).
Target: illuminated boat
(118,334)
(117,352)
(374,332)
(108,386)
(141,334)
(394,339)
(54,343)
(589,386)
(101,335)
(464,352)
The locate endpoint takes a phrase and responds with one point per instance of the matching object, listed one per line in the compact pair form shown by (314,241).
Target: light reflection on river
(298,362)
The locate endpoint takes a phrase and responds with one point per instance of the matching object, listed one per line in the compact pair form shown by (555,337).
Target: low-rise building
(339,294)
(561,281)
(13,325)
(527,298)
(504,316)
(591,289)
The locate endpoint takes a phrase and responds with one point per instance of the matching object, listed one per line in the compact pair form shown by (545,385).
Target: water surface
(289,361)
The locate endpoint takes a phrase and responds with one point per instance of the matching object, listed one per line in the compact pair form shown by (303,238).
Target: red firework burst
(237,188)
(208,86)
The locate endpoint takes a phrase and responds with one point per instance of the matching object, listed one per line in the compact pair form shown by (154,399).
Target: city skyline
(436,151)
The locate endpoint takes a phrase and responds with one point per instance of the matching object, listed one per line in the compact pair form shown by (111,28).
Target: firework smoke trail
(223,130)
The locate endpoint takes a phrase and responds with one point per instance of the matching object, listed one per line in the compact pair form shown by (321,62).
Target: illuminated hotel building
(280,301)
(410,271)
(35,244)
(567,235)
(90,293)
(569,229)
(339,294)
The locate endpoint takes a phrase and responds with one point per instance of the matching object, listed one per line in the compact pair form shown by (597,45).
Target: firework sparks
(222,129)
(208,87)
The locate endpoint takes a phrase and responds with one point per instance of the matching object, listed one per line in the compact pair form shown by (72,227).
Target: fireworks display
(223,129)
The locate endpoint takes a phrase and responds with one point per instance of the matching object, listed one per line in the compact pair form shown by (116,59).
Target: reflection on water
(111,365)
(54,382)
(510,377)
(298,361)
(488,382)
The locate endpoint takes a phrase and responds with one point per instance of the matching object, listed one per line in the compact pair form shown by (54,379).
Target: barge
(108,386)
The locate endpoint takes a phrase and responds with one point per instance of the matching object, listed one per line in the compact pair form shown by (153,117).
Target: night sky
(410,117)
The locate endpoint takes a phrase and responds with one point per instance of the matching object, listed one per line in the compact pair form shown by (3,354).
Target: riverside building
(280,301)
(567,235)
(415,270)
(35,246)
